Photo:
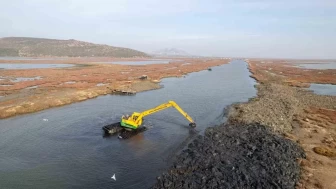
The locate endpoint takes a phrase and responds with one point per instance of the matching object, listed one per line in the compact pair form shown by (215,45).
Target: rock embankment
(236,156)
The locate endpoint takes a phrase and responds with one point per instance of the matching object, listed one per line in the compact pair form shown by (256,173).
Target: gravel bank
(278,105)
(235,156)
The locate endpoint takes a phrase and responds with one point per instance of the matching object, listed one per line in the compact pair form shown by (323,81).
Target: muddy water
(64,147)
(323,89)
(32,66)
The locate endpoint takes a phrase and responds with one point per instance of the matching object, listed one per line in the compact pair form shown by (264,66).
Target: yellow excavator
(133,123)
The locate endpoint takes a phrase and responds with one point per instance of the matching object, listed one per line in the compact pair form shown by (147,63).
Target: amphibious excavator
(131,125)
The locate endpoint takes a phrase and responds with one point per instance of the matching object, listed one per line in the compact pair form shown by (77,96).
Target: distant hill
(171,52)
(37,47)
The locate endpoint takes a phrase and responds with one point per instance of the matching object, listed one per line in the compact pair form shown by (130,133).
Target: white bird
(114,177)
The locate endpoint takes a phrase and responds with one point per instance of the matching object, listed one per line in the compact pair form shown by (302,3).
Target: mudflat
(87,79)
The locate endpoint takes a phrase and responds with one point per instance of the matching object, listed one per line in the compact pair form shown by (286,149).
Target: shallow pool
(32,66)
(19,79)
(319,66)
(323,89)
(29,58)
(101,84)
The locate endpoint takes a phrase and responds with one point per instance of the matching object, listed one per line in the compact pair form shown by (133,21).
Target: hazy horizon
(226,28)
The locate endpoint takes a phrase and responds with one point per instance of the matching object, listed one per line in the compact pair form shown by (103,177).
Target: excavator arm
(135,120)
(156,109)
(178,108)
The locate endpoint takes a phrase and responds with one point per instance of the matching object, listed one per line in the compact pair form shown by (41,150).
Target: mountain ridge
(42,47)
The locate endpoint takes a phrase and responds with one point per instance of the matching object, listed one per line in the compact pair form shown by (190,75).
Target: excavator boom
(135,120)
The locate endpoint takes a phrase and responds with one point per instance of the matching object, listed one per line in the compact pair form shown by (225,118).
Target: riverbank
(40,89)
(285,104)
(266,140)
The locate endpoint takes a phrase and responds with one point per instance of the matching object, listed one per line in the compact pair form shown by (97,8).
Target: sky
(227,28)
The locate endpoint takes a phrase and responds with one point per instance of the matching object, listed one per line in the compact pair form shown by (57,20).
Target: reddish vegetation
(63,86)
(314,125)
(92,74)
(290,74)
(329,115)
(316,132)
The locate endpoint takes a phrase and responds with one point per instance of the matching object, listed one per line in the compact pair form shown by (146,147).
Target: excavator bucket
(193,124)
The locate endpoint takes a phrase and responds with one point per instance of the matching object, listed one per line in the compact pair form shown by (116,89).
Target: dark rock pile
(235,156)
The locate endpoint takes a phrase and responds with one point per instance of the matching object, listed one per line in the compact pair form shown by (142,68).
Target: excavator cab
(131,121)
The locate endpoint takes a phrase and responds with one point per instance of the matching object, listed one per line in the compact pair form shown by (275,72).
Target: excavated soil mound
(235,156)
